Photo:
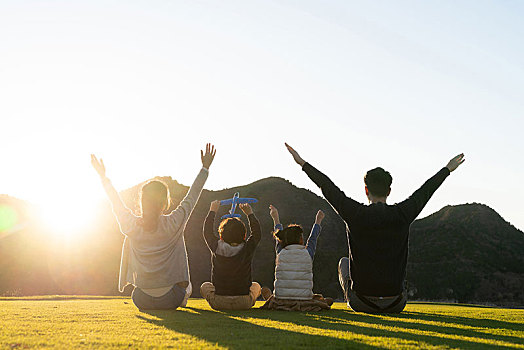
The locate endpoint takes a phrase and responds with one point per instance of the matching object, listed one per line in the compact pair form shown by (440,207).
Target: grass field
(90,322)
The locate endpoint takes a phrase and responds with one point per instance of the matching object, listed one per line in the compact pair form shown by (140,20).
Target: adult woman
(154,257)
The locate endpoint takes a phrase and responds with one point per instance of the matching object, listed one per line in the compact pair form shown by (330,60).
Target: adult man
(373,277)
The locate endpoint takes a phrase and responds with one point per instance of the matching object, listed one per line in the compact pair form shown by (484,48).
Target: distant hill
(467,253)
(464,253)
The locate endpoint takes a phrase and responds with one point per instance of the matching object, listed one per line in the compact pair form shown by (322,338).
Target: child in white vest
(294,262)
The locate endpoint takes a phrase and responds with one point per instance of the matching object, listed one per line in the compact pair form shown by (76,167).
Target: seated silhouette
(373,277)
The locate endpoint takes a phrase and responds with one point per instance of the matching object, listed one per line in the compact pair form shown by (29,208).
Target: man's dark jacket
(377,234)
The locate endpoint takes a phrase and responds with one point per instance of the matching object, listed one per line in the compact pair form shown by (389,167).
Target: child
(231,286)
(294,268)
(154,257)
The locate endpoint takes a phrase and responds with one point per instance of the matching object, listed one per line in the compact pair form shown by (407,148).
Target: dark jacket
(232,275)
(377,234)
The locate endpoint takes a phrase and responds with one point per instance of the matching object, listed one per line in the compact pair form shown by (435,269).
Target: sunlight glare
(8,217)
(67,218)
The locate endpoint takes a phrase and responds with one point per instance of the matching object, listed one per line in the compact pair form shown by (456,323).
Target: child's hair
(154,200)
(232,230)
(292,234)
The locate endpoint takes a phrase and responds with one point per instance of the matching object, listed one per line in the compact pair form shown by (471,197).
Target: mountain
(465,253)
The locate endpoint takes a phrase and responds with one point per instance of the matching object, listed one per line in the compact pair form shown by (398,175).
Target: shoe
(328,301)
(189,291)
(266,293)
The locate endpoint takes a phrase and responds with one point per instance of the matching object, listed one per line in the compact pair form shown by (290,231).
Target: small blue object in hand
(234,202)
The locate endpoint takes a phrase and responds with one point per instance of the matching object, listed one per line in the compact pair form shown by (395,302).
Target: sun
(66,219)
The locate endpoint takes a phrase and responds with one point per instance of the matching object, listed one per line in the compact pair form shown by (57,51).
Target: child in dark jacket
(231,286)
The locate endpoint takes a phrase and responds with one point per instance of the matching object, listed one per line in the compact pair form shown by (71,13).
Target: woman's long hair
(154,200)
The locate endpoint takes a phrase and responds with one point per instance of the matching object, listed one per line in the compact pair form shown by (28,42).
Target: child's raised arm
(319,217)
(209,237)
(311,244)
(273,211)
(274,215)
(254,226)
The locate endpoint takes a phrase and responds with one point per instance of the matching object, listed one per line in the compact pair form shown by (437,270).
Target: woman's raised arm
(180,215)
(125,217)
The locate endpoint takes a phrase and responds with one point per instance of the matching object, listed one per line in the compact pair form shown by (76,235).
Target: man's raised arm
(344,205)
(412,206)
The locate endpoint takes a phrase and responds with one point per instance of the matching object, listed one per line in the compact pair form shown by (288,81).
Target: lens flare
(8,218)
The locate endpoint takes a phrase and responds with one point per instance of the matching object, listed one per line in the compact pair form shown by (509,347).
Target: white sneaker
(189,291)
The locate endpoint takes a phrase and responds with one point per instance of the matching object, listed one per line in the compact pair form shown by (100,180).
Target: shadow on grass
(461,320)
(453,331)
(475,306)
(236,329)
(221,329)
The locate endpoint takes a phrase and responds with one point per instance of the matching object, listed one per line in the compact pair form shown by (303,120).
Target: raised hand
(274,214)
(455,162)
(295,155)
(98,165)
(320,216)
(246,208)
(214,206)
(208,157)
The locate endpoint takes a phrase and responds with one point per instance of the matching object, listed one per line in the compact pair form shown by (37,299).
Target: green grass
(95,322)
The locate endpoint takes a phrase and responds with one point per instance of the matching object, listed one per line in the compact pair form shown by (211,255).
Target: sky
(352,85)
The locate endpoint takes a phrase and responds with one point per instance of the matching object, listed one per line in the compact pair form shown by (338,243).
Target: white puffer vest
(294,273)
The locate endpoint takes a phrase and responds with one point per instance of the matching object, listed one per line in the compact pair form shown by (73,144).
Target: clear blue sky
(350,84)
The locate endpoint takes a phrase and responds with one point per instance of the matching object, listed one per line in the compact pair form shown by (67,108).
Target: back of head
(154,199)
(232,231)
(378,181)
(292,234)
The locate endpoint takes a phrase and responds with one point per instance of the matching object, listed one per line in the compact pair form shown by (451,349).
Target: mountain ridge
(464,253)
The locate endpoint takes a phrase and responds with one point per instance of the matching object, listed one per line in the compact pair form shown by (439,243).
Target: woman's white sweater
(156,260)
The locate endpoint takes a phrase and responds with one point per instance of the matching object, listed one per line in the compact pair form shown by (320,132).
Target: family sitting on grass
(154,257)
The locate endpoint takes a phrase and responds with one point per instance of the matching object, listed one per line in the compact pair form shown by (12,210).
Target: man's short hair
(378,182)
